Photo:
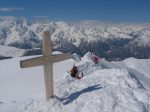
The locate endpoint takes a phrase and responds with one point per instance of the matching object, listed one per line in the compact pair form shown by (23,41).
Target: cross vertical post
(48,66)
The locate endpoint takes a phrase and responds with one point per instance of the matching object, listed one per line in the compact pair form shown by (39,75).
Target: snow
(11,51)
(140,67)
(105,87)
(17,30)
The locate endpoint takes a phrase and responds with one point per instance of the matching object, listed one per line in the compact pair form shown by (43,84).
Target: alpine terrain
(108,40)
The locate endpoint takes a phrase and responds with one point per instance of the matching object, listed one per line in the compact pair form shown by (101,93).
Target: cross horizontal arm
(44,59)
(31,62)
(61,57)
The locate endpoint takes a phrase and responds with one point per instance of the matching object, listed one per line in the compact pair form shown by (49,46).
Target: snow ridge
(105,87)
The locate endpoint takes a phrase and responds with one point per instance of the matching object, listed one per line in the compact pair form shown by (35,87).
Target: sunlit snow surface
(11,51)
(106,87)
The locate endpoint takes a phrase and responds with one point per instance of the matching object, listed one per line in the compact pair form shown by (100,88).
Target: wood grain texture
(48,77)
(46,44)
(32,62)
(61,57)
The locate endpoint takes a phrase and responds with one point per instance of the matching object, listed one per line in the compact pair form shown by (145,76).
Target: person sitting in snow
(74,73)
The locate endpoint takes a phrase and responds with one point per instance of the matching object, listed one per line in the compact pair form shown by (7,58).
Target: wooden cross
(47,61)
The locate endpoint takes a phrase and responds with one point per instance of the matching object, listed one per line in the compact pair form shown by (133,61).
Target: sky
(77,10)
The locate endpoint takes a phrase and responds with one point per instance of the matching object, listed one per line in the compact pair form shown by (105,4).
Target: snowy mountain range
(112,41)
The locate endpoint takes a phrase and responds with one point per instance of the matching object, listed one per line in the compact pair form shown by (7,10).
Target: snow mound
(105,87)
(141,65)
(11,51)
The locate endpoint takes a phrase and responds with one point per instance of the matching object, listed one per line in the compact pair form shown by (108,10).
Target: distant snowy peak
(89,24)
(77,37)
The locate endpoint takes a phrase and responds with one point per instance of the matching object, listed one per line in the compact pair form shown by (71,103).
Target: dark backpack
(74,71)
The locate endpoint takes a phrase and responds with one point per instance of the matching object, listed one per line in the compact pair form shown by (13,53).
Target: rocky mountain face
(112,41)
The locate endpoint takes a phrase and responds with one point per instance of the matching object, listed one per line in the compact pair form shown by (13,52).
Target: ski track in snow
(106,87)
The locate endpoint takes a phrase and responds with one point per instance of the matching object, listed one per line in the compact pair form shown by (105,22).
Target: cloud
(10,9)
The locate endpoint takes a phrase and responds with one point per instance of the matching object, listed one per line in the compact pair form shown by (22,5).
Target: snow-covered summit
(105,87)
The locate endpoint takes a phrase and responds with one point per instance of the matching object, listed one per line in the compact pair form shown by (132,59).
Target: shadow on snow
(75,95)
